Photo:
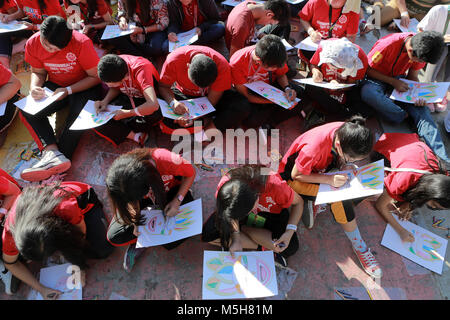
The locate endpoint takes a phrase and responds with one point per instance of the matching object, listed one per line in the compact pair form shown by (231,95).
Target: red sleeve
(283,193)
(307,12)
(418,65)
(8,244)
(30,52)
(168,72)
(397,183)
(316,58)
(5,75)
(144,76)
(353,23)
(103,8)
(305,161)
(238,68)
(170,163)
(239,33)
(281,71)
(4,185)
(69,211)
(88,57)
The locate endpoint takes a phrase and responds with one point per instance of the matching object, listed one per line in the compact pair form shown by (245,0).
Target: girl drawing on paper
(408,190)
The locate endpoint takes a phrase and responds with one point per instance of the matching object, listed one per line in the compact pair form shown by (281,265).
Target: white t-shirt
(435,19)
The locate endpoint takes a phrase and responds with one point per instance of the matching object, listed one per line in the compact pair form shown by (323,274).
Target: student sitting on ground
(255,210)
(240,28)
(390,59)
(184,15)
(9,87)
(141,178)
(338,61)
(424,181)
(64,217)
(64,61)
(330,146)
(132,83)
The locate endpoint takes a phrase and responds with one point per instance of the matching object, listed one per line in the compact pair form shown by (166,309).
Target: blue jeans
(212,33)
(376,94)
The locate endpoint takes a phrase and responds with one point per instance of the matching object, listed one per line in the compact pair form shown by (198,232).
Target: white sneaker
(52,162)
(6,277)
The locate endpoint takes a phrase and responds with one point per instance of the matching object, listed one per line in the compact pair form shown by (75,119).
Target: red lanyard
(129,91)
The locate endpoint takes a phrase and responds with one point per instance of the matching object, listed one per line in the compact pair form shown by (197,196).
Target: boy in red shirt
(70,62)
(132,83)
(9,86)
(242,20)
(396,56)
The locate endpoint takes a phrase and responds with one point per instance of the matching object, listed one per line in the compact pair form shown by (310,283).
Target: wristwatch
(180,198)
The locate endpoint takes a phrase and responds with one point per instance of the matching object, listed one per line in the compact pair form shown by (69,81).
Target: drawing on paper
(369,176)
(271,93)
(430,92)
(424,246)
(198,107)
(157,225)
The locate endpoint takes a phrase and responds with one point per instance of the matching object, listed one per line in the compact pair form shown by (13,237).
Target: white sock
(356,240)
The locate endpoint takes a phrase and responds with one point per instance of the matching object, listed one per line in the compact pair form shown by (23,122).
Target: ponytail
(355,138)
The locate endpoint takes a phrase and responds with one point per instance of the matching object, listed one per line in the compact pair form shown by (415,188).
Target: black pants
(231,110)
(276,223)
(6,40)
(10,111)
(118,130)
(120,234)
(41,130)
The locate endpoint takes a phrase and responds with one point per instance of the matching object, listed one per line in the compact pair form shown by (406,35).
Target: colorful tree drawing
(424,246)
(420,91)
(224,283)
(158,225)
(369,176)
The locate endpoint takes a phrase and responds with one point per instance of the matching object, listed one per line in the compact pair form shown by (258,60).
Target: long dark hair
(38,232)
(92,7)
(355,138)
(434,186)
(130,9)
(237,197)
(128,180)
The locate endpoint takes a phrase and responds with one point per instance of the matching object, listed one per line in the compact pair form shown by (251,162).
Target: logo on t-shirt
(71,57)
(343,19)
(377,57)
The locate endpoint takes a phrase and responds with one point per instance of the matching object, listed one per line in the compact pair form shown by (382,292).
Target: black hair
(428,46)
(92,7)
(271,50)
(42,5)
(237,197)
(202,70)
(54,29)
(355,138)
(112,68)
(280,9)
(38,232)
(130,9)
(128,180)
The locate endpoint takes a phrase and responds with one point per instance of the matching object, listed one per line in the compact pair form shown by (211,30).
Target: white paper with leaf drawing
(412,27)
(88,117)
(32,106)
(326,85)
(11,26)
(250,274)
(271,93)
(159,230)
(308,45)
(183,39)
(368,181)
(198,107)
(427,250)
(431,92)
(113,31)
(60,278)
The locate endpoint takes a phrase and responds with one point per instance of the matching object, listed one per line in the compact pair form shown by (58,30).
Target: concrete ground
(324,261)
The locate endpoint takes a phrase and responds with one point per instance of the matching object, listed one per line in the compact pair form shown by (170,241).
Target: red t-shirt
(386,58)
(192,16)
(240,26)
(314,149)
(330,74)
(5,178)
(64,67)
(316,12)
(102,9)
(31,9)
(175,70)
(276,195)
(7,5)
(68,210)
(5,75)
(404,150)
(141,73)
(171,165)
(244,69)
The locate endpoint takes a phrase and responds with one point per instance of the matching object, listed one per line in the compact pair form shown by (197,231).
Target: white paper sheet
(250,275)
(184,39)
(3,108)
(427,250)
(431,92)
(271,93)
(413,23)
(11,26)
(31,106)
(88,118)
(113,31)
(159,230)
(57,277)
(198,107)
(369,181)
(307,44)
(287,45)
(326,85)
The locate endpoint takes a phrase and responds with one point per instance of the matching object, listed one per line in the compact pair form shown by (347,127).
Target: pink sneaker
(369,264)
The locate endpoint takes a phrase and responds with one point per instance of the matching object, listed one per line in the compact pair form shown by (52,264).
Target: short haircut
(112,68)
(54,29)
(202,70)
(428,46)
(280,9)
(271,50)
